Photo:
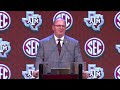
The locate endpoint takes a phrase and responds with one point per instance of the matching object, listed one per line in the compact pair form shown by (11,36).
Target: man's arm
(39,60)
(78,55)
(39,56)
(79,59)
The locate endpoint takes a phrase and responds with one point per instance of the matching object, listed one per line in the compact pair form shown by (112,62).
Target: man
(50,55)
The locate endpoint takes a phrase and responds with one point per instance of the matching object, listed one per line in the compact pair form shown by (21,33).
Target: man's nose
(61,26)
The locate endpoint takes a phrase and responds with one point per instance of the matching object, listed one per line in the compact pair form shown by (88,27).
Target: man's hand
(85,74)
(36,74)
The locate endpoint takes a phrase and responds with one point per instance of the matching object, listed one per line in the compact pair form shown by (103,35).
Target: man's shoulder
(46,38)
(71,38)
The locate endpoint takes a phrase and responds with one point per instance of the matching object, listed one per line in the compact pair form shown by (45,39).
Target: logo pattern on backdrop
(117,20)
(94,20)
(95,72)
(4,48)
(5,72)
(66,16)
(5,20)
(117,72)
(94,47)
(30,47)
(117,46)
(34,21)
(29,70)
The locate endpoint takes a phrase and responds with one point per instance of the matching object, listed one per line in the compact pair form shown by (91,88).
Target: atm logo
(34,21)
(4,48)
(28,74)
(94,20)
(95,72)
(30,47)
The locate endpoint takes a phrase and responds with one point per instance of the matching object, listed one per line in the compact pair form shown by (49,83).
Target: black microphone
(79,66)
(80,71)
(40,71)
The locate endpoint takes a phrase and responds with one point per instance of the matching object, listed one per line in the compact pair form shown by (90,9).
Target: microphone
(80,71)
(79,66)
(40,71)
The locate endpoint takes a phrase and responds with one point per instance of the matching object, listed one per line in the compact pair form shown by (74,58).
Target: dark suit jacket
(49,56)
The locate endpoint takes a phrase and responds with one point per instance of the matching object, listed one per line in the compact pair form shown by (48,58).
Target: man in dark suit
(49,53)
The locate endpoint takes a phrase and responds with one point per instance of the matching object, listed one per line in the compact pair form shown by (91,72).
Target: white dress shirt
(56,40)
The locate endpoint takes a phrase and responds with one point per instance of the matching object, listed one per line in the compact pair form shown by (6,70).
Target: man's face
(59,28)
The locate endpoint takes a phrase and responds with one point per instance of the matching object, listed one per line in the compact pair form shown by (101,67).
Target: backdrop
(97,31)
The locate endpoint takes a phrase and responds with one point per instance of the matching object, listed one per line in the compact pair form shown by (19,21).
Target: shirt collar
(62,38)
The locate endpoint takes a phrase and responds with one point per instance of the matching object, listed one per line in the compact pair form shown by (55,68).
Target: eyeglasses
(63,26)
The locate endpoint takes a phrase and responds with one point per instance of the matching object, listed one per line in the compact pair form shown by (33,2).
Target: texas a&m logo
(32,20)
(4,48)
(94,20)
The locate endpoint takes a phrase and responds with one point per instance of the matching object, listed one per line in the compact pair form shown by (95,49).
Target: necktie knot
(59,40)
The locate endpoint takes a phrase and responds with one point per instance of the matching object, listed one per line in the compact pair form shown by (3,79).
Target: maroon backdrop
(17,33)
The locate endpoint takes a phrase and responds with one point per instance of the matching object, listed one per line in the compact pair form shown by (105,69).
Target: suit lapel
(53,45)
(63,50)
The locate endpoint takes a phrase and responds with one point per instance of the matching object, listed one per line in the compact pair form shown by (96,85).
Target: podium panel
(61,70)
(60,76)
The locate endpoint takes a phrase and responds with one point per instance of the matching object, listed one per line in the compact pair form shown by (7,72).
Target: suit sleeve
(78,55)
(39,56)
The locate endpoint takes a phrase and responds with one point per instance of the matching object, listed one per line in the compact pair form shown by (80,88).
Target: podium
(60,76)
(69,71)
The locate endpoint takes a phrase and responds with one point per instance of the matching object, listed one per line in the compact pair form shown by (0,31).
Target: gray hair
(59,18)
